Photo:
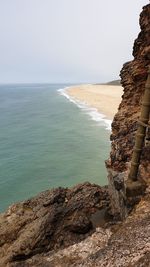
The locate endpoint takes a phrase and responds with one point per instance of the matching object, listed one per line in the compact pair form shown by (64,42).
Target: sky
(60,41)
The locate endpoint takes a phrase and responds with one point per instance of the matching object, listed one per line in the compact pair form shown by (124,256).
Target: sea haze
(47,141)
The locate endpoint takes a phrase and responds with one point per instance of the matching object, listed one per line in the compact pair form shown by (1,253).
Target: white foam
(92,112)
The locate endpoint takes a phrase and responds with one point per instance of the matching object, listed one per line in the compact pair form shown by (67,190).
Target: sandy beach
(105,98)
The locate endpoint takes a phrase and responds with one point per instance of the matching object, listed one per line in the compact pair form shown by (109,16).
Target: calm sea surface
(47,141)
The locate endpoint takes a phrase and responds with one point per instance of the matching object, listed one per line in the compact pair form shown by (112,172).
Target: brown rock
(124,126)
(54,219)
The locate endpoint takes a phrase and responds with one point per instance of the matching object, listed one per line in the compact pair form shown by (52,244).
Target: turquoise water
(46,141)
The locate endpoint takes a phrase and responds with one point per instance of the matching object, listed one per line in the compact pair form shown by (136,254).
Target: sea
(48,140)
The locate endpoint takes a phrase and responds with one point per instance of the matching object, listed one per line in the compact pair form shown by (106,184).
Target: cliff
(133,78)
(78,226)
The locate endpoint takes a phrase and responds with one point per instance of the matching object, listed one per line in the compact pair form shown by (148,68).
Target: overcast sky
(66,40)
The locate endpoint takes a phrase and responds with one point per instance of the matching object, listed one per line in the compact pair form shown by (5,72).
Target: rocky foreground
(52,220)
(73,227)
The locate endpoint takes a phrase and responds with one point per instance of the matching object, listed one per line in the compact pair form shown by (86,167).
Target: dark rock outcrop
(52,220)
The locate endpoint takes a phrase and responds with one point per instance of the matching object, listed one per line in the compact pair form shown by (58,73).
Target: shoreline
(95,115)
(104,98)
(92,100)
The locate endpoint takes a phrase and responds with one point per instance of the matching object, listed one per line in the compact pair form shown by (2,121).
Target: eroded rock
(52,220)
(125,123)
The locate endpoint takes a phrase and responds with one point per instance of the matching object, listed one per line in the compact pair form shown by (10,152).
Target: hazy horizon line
(63,82)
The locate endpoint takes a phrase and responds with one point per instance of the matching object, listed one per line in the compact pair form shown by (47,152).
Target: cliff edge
(133,79)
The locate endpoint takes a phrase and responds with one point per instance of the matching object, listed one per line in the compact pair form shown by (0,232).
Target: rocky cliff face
(124,126)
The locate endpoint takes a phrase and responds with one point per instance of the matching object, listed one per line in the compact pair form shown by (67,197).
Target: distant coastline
(115,82)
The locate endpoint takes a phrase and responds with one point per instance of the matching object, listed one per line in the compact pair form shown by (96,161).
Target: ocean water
(48,140)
